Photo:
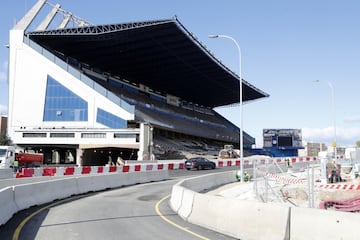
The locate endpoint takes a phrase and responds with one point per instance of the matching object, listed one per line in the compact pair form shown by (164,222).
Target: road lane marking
(157,209)
(17,231)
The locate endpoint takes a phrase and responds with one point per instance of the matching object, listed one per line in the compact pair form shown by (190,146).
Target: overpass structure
(89,94)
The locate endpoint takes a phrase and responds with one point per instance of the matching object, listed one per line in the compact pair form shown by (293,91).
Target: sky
(305,54)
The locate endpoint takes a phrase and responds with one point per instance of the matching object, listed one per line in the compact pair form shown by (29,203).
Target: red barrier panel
(137,168)
(229,163)
(149,167)
(126,168)
(308,159)
(19,175)
(301,159)
(49,171)
(220,163)
(69,171)
(170,166)
(27,172)
(181,166)
(100,169)
(278,160)
(86,170)
(112,169)
(293,160)
(237,163)
(160,166)
(262,161)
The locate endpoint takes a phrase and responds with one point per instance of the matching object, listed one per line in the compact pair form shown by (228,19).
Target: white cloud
(3,72)
(344,136)
(3,109)
(352,119)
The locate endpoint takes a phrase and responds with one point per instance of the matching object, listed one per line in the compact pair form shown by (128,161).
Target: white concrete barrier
(209,181)
(150,176)
(186,203)
(237,218)
(104,181)
(27,195)
(240,218)
(77,170)
(7,205)
(318,224)
(59,172)
(176,197)
(19,197)
(38,172)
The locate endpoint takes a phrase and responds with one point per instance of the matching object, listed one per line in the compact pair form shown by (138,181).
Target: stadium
(88,94)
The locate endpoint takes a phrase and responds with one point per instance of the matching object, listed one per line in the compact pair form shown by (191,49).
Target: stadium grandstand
(88,94)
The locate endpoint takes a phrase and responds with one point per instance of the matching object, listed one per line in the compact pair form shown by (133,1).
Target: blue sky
(286,46)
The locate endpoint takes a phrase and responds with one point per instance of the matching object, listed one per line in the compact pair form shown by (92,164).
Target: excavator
(229,152)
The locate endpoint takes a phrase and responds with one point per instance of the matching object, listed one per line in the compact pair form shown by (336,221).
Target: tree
(4,140)
(358,143)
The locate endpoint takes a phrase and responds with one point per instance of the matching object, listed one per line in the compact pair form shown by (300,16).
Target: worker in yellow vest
(15,166)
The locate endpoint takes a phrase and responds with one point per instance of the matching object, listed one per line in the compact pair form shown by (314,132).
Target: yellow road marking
(172,223)
(22,224)
(157,209)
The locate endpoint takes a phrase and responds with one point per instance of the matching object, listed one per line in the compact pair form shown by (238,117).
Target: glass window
(34,135)
(61,104)
(110,120)
(93,135)
(124,135)
(62,135)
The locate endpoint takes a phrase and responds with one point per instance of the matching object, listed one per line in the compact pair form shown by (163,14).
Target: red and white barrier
(340,186)
(141,167)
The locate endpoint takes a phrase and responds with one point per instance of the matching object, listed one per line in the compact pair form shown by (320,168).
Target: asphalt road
(134,212)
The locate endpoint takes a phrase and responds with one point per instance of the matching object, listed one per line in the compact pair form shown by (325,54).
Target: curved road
(134,212)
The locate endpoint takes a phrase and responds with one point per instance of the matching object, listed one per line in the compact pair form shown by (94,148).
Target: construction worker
(332,172)
(15,165)
(247,176)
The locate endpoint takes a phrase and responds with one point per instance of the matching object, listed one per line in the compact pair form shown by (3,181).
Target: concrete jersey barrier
(23,196)
(233,217)
(8,207)
(255,220)
(136,166)
(246,220)
(318,224)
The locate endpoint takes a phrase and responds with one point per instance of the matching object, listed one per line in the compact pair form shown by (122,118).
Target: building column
(79,156)
(146,142)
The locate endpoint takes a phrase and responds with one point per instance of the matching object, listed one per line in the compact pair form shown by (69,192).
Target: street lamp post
(334,116)
(241,105)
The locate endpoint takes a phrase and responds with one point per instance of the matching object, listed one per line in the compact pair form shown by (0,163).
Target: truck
(8,155)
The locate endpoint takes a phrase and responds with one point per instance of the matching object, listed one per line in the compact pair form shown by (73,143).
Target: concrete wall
(247,220)
(19,197)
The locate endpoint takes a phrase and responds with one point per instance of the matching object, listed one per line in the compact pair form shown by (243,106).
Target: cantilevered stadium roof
(160,54)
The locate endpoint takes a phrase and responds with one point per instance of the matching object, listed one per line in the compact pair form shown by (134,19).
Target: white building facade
(53,106)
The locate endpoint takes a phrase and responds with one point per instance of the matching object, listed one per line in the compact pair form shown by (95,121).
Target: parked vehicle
(199,163)
(29,159)
(8,156)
